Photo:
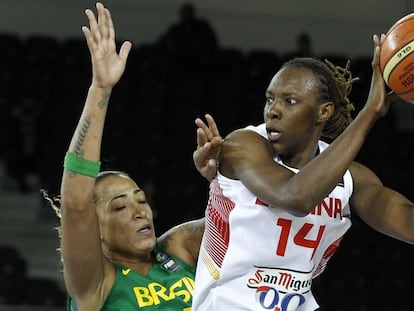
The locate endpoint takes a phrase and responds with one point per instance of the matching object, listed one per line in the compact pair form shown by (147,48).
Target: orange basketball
(397,58)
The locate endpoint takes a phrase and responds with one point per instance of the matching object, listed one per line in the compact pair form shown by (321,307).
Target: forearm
(86,142)
(277,185)
(327,169)
(335,160)
(87,138)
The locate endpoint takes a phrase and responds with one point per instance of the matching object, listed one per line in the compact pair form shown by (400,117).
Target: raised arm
(81,248)
(248,157)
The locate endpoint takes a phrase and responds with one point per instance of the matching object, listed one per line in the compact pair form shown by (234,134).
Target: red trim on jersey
(260,202)
(326,256)
(217,233)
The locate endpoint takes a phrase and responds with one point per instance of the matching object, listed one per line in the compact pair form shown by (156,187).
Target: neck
(300,159)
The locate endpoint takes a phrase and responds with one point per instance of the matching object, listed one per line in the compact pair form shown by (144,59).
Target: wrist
(98,88)
(79,165)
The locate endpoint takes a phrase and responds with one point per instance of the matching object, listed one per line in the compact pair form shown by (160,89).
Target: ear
(325,111)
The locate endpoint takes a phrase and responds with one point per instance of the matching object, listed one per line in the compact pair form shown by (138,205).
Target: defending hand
(209,144)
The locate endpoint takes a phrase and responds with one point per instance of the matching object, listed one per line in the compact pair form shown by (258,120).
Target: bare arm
(380,207)
(81,250)
(184,240)
(246,156)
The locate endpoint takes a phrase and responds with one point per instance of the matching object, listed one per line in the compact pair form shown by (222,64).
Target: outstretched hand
(107,65)
(209,144)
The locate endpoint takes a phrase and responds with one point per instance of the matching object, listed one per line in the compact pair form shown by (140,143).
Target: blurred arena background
(150,132)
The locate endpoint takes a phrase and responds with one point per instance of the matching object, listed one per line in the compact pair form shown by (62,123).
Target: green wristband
(81,166)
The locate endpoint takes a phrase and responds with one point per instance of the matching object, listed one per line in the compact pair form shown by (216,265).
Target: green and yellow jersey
(168,286)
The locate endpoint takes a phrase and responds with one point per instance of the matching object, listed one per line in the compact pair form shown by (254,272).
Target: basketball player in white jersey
(281,200)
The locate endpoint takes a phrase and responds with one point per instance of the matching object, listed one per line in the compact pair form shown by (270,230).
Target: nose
(139,211)
(272,111)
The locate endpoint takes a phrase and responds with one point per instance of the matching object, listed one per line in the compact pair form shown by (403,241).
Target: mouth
(273,135)
(145,229)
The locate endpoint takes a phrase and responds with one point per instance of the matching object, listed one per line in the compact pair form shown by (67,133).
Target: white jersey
(259,257)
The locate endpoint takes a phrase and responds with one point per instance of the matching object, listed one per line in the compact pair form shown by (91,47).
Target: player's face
(291,111)
(125,217)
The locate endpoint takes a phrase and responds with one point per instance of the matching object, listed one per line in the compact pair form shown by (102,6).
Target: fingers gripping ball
(397,58)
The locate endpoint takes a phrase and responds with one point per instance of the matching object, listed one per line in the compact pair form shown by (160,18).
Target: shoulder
(244,148)
(184,240)
(259,129)
(250,134)
(185,229)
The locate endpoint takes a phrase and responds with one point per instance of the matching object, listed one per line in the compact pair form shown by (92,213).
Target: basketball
(397,58)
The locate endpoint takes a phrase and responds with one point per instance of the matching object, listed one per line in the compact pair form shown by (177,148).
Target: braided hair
(335,84)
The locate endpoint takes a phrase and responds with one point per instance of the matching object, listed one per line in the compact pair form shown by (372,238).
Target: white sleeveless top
(257,257)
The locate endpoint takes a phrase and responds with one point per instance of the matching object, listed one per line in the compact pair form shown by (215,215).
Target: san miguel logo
(279,289)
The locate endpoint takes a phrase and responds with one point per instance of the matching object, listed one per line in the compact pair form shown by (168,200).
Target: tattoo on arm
(84,128)
(185,232)
(103,103)
(83,131)
(193,227)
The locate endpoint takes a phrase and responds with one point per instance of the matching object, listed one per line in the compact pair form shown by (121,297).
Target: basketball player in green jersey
(111,257)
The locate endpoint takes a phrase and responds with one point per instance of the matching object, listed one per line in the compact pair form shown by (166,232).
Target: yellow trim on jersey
(211,267)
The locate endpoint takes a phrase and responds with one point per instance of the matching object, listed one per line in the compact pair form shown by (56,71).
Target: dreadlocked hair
(335,84)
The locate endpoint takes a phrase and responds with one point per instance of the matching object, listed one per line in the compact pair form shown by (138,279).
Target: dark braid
(335,85)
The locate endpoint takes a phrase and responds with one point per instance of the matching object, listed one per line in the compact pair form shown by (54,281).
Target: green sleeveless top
(168,286)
